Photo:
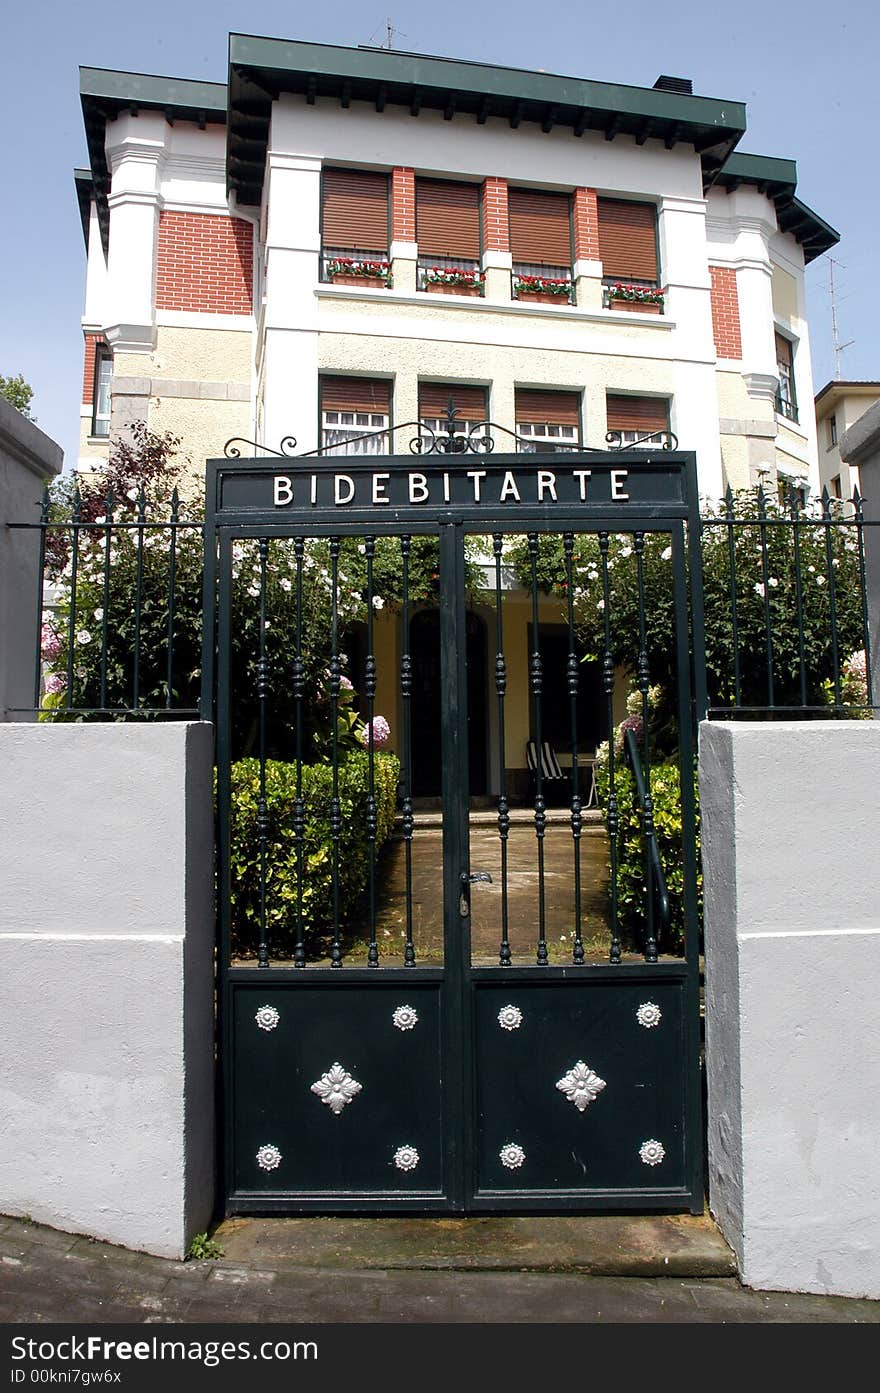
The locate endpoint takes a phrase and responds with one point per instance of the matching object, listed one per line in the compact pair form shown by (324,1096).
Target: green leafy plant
(631,888)
(201,1246)
(287,896)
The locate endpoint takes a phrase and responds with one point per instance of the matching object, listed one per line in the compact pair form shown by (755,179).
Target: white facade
(259,370)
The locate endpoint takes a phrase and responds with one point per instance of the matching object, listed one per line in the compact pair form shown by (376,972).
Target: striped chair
(550,768)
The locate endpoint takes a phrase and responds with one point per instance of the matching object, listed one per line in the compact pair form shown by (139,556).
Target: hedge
(281,861)
(666,796)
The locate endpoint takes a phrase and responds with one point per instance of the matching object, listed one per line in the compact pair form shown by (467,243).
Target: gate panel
(575,1096)
(336,1088)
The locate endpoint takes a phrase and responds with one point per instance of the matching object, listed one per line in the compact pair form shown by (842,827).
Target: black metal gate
(461,1023)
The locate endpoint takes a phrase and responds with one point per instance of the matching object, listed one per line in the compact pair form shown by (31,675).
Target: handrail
(657,877)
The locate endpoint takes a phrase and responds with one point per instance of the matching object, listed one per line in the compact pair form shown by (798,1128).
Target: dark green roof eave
(105,92)
(260,69)
(777,178)
(82,179)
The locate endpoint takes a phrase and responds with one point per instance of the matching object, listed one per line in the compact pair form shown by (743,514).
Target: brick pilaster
(725,312)
(91,344)
(586,225)
(403,205)
(496,230)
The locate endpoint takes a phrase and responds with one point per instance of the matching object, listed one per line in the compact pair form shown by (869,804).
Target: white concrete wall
(28,459)
(106,980)
(792,922)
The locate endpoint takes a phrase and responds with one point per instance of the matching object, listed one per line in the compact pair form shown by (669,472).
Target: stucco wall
(28,459)
(106,980)
(792,926)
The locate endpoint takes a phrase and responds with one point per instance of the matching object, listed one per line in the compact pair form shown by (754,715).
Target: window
(448,233)
(355,415)
(627,248)
(354,217)
(631,419)
(468,402)
(786,401)
(547,421)
(836,487)
(540,238)
(101,396)
(832,431)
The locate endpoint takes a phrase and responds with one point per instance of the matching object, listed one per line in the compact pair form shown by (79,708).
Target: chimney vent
(674,84)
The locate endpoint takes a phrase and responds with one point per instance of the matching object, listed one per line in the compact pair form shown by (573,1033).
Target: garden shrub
(281,858)
(666,795)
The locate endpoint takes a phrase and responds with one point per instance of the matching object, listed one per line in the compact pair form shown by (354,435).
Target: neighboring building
(668,289)
(838,406)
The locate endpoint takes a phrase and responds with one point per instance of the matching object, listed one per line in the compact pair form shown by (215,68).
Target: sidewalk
(330,1270)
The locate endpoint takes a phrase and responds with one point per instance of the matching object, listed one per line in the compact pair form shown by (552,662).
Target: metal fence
(118,608)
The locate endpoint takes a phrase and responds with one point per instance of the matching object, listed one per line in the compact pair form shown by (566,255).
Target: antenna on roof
(390,31)
(835,335)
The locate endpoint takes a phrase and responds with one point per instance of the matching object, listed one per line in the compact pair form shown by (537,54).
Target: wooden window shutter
(356,394)
(643,414)
(783,351)
(535,408)
(448,219)
(470,402)
(540,227)
(628,239)
(354,210)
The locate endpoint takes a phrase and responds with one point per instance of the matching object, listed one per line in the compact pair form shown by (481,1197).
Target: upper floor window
(832,431)
(547,421)
(354,226)
(786,401)
(541,244)
(628,250)
(448,234)
(355,415)
(469,404)
(101,395)
(642,421)
(835,487)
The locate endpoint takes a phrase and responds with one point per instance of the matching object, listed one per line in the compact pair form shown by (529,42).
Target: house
(340,242)
(838,406)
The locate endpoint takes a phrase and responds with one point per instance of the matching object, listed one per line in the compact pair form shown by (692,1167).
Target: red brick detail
(725,312)
(403,205)
(91,344)
(496,225)
(205,263)
(586,225)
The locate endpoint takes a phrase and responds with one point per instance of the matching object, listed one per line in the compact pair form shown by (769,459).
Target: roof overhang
(104,94)
(261,69)
(85,192)
(778,180)
(835,391)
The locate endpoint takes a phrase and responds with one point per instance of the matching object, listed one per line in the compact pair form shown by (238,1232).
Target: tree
(18,392)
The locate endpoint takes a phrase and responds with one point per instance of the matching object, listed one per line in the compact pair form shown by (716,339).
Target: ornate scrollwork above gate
(478,439)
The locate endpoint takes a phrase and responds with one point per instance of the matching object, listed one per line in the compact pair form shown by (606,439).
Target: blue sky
(806,71)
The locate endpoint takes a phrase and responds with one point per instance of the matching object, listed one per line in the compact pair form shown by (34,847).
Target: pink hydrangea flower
(51,644)
(56,682)
(381,732)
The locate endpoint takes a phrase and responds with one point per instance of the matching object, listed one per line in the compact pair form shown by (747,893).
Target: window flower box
(344,270)
(452,280)
(635,299)
(545,290)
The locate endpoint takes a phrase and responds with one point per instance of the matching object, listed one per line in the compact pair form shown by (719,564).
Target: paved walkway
(50,1276)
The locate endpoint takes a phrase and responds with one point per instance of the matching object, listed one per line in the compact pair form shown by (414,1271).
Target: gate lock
(476,877)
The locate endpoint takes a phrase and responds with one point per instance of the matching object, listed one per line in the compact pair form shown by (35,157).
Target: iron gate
(466,1028)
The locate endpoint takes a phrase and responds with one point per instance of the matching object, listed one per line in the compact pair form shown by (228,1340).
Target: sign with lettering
(308,487)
